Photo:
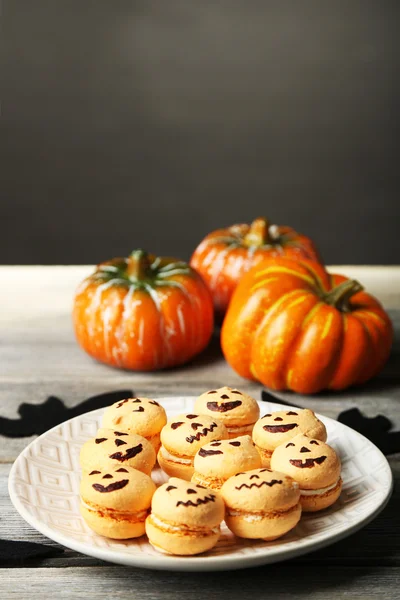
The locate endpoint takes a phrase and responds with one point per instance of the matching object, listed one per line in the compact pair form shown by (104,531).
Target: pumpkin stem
(340,296)
(261,233)
(138,264)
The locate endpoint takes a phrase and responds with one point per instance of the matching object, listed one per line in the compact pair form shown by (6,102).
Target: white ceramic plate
(44,487)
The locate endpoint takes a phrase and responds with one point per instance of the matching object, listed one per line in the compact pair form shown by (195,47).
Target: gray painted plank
(286,580)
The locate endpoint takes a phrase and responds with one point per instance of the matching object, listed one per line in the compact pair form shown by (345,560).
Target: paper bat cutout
(13,551)
(376,429)
(35,419)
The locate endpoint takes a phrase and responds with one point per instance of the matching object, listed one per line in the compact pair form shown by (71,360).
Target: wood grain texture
(286,580)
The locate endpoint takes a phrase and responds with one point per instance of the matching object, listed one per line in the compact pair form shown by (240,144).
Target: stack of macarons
(224,463)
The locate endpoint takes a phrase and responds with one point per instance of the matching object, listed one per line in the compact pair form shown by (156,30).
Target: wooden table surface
(39,358)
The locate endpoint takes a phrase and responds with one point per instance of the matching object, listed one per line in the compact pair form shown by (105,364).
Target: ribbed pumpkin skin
(143,316)
(280,330)
(225,255)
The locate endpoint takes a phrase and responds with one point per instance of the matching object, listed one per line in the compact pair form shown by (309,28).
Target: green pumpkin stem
(340,296)
(138,264)
(261,233)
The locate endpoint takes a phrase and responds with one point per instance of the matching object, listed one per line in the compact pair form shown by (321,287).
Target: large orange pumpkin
(226,254)
(143,312)
(291,325)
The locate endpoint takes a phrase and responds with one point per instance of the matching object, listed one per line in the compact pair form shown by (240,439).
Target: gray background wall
(148,123)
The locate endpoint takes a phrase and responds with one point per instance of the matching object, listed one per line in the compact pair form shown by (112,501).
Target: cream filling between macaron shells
(320,491)
(173,458)
(252,517)
(181,528)
(117,515)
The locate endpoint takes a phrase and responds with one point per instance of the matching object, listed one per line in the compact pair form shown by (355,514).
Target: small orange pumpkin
(226,254)
(292,325)
(143,312)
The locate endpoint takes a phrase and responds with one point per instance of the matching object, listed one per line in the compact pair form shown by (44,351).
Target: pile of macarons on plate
(221,462)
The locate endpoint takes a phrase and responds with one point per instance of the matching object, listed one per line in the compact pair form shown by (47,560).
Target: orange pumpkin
(226,254)
(143,312)
(292,325)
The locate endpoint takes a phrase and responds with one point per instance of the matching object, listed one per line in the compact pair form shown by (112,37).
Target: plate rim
(201,562)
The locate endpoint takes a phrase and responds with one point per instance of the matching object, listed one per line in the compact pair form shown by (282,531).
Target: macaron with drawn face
(215,462)
(182,437)
(261,504)
(276,428)
(315,466)
(238,411)
(185,518)
(115,502)
(110,448)
(142,416)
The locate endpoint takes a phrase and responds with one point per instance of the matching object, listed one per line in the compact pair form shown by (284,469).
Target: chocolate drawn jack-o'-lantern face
(190,431)
(105,482)
(275,428)
(303,457)
(141,415)
(231,405)
(232,448)
(188,494)
(256,479)
(111,446)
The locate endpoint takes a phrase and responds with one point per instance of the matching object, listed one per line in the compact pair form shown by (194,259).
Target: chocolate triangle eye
(212,392)
(289,444)
(122,403)
(171,487)
(119,433)
(269,470)
(136,401)
(202,487)
(224,397)
(314,442)
(122,470)
(267,415)
(237,392)
(254,477)
(154,402)
(304,449)
(140,409)
(192,416)
(292,413)
(100,440)
(95,473)
(215,444)
(176,425)
(120,443)
(241,473)
(107,476)
(234,443)
(190,491)
(278,419)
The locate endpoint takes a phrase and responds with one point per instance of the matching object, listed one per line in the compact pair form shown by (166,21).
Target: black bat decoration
(13,551)
(376,429)
(35,419)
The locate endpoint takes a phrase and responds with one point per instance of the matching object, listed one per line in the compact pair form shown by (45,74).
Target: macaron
(276,428)
(315,466)
(115,502)
(261,504)
(142,416)
(111,448)
(215,462)
(237,411)
(185,518)
(182,437)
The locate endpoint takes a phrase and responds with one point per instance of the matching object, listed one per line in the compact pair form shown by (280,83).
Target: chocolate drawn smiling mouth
(280,428)
(258,485)
(224,406)
(130,453)
(112,487)
(307,463)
